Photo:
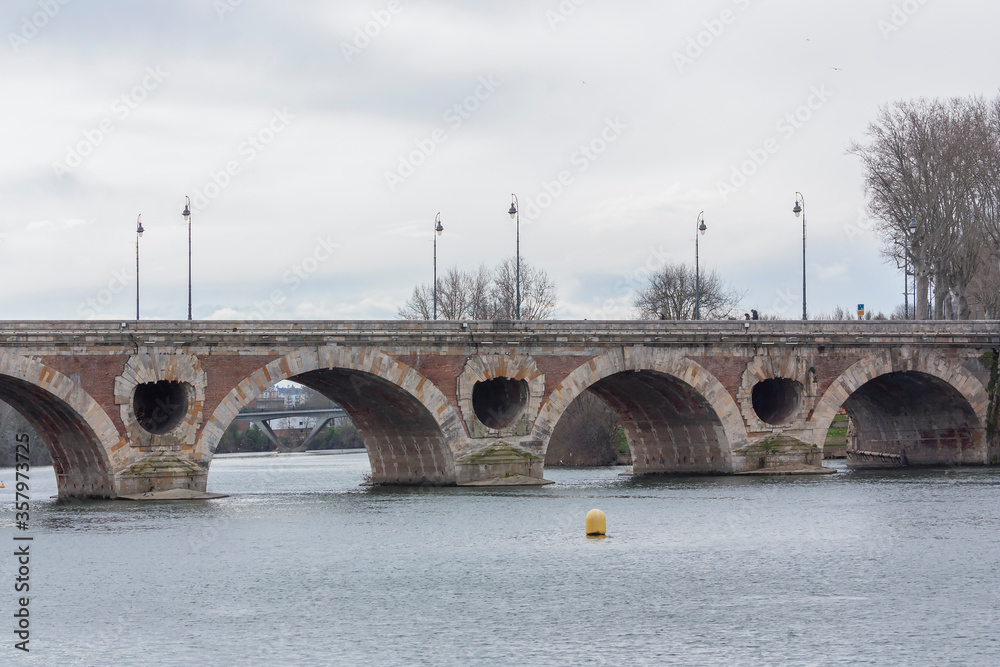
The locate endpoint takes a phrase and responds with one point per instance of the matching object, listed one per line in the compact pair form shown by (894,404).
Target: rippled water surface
(302,566)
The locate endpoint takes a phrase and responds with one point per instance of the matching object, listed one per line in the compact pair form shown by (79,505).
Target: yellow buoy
(596,523)
(2,486)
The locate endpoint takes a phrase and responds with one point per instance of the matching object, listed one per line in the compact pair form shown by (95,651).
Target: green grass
(837,433)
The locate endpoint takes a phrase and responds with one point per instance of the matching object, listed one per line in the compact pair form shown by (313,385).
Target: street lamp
(187,216)
(800,208)
(910,228)
(437,232)
(697,274)
(515,215)
(138,232)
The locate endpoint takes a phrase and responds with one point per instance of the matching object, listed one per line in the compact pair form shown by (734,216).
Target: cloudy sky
(318,140)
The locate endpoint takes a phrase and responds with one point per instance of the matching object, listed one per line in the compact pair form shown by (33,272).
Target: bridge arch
(83,443)
(678,416)
(409,428)
(909,408)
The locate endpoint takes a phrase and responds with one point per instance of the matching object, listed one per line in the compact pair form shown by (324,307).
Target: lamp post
(187,216)
(437,232)
(515,215)
(697,273)
(910,228)
(138,232)
(800,208)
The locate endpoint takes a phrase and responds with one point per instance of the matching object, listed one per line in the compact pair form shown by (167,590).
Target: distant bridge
(323,416)
(135,407)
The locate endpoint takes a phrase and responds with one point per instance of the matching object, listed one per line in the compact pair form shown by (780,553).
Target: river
(302,566)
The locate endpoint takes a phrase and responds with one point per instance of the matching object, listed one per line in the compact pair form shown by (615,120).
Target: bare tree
(898,182)
(419,306)
(465,295)
(934,164)
(585,435)
(479,288)
(538,292)
(984,290)
(484,295)
(672,292)
(985,286)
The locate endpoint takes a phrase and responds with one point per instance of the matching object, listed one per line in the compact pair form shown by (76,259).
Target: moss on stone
(776,443)
(162,464)
(500,451)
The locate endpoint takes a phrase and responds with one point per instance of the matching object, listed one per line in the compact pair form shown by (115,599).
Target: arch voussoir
(663,361)
(358,371)
(87,448)
(947,427)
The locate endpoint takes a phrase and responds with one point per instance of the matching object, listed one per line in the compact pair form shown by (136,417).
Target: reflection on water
(301,565)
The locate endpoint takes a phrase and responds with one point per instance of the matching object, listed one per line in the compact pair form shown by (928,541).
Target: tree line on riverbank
(932,179)
(238,438)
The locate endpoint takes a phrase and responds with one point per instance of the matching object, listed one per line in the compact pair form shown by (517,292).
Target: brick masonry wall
(96,374)
(226,371)
(443,370)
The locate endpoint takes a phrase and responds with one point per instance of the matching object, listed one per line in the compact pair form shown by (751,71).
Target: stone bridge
(132,407)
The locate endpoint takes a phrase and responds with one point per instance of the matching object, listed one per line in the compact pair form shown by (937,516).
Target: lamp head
(187,211)
(439,228)
(798,209)
(513,210)
(138,225)
(702,227)
(912,226)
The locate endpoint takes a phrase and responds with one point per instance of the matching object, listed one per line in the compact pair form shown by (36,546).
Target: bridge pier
(499,463)
(161,471)
(272,437)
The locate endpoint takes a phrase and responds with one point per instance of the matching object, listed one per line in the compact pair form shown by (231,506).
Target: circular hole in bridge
(499,401)
(776,399)
(160,406)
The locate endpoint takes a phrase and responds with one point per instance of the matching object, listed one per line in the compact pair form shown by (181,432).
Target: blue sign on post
(861,310)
